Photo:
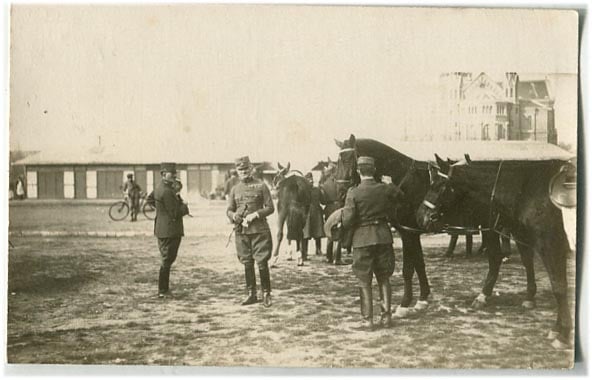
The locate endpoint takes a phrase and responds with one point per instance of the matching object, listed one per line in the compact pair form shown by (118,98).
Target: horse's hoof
(559,345)
(479,302)
(300,262)
(421,305)
(528,305)
(402,312)
(553,335)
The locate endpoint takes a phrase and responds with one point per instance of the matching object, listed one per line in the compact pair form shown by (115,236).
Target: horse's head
(442,196)
(346,173)
(281,175)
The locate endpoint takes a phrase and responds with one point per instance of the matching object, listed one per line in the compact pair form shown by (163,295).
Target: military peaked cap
(242,162)
(170,167)
(365,160)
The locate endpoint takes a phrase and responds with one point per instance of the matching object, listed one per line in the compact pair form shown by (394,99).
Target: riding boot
(329,251)
(251,285)
(318,251)
(338,255)
(366,307)
(451,245)
(304,249)
(163,280)
(265,284)
(385,302)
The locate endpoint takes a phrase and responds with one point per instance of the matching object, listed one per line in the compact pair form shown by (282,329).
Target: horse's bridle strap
(346,150)
(429,204)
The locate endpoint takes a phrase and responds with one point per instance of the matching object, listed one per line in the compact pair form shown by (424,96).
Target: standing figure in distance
(313,229)
(332,201)
(249,204)
(20,188)
(168,224)
(368,209)
(132,192)
(230,182)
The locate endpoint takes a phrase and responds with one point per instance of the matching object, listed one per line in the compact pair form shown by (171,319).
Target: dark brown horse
(414,182)
(293,205)
(515,195)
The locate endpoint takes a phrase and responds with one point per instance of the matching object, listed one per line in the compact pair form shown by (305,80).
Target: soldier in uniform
(132,192)
(168,225)
(368,208)
(249,204)
(332,201)
(313,229)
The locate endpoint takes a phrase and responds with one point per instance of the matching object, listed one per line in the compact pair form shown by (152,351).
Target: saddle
(563,186)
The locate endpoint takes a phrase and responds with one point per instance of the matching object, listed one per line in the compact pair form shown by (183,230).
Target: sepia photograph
(292,186)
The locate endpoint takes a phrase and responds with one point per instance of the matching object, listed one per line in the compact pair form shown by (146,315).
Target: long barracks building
(99,174)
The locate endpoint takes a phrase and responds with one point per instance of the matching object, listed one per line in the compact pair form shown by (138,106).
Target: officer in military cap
(168,225)
(249,204)
(368,209)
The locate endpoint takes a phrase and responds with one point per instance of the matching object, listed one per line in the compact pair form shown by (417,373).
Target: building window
(485,132)
(149,181)
(68,184)
(31,184)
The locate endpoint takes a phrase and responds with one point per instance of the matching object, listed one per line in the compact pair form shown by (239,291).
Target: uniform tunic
(313,228)
(253,243)
(168,228)
(368,208)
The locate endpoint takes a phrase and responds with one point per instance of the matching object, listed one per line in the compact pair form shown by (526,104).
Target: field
(89,300)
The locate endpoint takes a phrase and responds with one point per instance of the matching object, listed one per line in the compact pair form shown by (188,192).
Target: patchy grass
(93,301)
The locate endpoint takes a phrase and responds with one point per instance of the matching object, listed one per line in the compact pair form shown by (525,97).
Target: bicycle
(120,210)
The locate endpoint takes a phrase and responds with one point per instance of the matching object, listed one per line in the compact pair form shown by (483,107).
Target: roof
(482,150)
(533,89)
(106,156)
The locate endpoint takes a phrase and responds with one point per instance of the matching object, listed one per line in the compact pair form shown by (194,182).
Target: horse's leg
(506,246)
(527,256)
(469,247)
(412,263)
(553,248)
(451,245)
(280,235)
(494,257)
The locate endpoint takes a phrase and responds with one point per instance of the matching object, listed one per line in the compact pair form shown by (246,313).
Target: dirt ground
(93,300)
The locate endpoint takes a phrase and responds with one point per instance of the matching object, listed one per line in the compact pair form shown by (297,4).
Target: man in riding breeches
(368,209)
(249,204)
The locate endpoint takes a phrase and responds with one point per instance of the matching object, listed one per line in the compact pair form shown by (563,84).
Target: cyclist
(131,191)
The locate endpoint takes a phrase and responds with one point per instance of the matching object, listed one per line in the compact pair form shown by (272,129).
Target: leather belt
(372,223)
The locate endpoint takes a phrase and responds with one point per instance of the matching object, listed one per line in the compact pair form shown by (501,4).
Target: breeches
(377,260)
(168,250)
(254,247)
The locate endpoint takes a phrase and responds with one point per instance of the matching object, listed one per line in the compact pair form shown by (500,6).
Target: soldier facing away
(168,225)
(249,204)
(368,209)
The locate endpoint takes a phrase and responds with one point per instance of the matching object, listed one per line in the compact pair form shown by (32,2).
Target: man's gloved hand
(252,216)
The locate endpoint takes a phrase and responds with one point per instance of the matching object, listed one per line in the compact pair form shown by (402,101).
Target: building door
(80,183)
(109,184)
(50,185)
(193,181)
(205,180)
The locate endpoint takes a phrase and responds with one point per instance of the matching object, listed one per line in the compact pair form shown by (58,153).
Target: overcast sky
(276,80)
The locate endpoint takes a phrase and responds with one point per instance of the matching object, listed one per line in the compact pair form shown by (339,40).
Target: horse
(515,194)
(414,183)
(293,206)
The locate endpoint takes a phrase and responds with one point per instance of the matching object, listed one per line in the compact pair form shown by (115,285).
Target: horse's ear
(288,167)
(441,163)
(338,143)
(352,141)
(468,158)
(280,166)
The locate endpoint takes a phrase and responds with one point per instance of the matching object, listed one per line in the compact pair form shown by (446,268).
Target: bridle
(347,183)
(281,177)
